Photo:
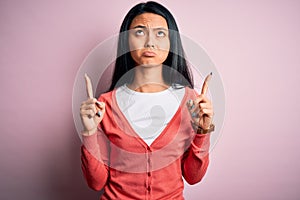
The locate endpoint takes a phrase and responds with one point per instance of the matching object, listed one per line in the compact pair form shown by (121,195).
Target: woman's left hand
(201,108)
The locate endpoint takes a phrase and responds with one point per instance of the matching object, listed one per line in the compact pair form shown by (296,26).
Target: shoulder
(190,93)
(107,96)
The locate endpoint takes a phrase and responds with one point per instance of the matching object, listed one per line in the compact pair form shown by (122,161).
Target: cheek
(135,44)
(164,50)
(164,45)
(162,56)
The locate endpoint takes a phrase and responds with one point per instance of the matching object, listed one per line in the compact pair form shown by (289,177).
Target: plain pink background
(254,44)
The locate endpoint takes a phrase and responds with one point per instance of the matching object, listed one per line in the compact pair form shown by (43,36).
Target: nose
(149,43)
(149,46)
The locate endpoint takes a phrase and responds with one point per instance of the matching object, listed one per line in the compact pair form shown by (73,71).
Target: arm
(196,159)
(94,160)
(95,148)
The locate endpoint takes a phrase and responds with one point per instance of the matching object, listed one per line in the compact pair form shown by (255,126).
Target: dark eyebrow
(161,28)
(140,26)
(144,27)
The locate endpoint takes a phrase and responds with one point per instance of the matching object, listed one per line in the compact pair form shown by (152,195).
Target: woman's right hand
(91,110)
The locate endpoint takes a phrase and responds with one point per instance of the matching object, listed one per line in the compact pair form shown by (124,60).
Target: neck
(148,79)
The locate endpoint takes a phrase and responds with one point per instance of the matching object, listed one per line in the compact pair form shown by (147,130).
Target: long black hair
(175,60)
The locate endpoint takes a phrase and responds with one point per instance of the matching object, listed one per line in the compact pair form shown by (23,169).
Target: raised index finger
(89,88)
(205,84)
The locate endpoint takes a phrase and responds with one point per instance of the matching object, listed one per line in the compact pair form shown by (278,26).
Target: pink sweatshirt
(118,161)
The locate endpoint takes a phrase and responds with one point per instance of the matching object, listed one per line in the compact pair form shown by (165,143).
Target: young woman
(151,128)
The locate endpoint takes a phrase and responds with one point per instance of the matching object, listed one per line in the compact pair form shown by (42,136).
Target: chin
(150,64)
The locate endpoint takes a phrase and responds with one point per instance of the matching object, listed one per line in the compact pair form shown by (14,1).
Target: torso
(149,113)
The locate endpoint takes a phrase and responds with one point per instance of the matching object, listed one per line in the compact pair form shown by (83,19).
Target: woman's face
(149,39)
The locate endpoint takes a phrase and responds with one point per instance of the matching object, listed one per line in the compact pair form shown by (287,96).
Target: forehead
(150,20)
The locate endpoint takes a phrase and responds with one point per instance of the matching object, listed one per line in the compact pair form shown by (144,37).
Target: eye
(161,34)
(139,33)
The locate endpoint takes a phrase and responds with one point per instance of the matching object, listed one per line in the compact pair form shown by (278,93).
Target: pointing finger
(89,87)
(205,84)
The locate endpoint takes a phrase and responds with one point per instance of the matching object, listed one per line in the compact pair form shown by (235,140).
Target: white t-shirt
(149,113)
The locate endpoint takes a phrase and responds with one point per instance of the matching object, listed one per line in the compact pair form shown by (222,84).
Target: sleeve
(196,159)
(94,160)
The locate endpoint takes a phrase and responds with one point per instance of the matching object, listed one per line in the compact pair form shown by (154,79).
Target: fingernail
(190,104)
(194,115)
(99,113)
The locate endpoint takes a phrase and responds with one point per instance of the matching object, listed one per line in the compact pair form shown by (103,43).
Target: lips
(149,54)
